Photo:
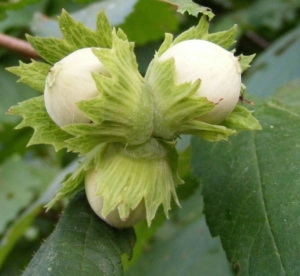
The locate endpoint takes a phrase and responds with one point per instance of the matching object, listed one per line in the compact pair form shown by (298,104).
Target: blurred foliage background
(30,175)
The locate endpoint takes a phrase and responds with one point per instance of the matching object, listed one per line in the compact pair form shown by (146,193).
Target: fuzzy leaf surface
(82,244)
(251,189)
(75,36)
(33,74)
(224,39)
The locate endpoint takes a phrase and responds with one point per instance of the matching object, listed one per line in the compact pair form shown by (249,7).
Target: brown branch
(17,45)
(258,40)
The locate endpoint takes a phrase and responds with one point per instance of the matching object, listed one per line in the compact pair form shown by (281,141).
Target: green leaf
(149,22)
(116,10)
(4,7)
(251,190)
(82,244)
(276,66)
(35,115)
(19,189)
(30,181)
(19,18)
(191,7)
(33,74)
(287,97)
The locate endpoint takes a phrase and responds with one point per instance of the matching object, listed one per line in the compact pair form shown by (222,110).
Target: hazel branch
(17,45)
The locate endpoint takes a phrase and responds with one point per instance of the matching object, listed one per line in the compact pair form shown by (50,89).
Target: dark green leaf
(276,66)
(9,5)
(149,22)
(251,190)
(116,10)
(21,223)
(82,244)
(19,189)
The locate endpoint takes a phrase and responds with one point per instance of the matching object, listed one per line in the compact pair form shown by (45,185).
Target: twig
(17,45)
(258,40)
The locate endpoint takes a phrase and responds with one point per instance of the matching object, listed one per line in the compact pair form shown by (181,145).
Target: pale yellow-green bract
(133,121)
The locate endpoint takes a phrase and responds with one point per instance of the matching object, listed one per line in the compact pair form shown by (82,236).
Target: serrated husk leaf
(51,49)
(35,115)
(80,36)
(241,119)
(75,36)
(33,74)
(75,181)
(225,39)
(245,61)
(126,176)
(88,136)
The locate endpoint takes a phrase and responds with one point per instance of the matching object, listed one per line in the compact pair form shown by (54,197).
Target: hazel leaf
(190,7)
(251,189)
(35,115)
(82,244)
(33,74)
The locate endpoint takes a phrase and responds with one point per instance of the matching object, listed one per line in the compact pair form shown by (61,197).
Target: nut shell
(69,81)
(218,69)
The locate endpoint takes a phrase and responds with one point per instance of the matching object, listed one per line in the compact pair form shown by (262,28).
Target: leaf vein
(265,207)
(282,108)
